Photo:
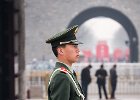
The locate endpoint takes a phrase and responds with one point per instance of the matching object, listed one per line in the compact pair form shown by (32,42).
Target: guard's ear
(60,51)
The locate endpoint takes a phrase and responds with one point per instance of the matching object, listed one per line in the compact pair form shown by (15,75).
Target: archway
(117,16)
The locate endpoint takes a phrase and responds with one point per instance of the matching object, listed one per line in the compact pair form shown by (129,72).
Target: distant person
(113,80)
(85,79)
(101,75)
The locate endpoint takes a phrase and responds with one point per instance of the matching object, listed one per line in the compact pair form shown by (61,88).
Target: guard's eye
(75,46)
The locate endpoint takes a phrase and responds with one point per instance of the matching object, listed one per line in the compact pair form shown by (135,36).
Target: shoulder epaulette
(63,69)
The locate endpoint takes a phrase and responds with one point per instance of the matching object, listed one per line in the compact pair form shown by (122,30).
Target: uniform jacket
(61,86)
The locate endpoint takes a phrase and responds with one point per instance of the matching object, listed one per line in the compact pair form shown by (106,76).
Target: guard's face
(71,53)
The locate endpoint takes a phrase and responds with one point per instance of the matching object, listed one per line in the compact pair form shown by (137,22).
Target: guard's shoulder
(64,70)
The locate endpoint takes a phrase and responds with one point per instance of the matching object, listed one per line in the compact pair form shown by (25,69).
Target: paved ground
(118,97)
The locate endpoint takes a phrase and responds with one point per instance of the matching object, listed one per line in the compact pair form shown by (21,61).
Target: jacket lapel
(59,65)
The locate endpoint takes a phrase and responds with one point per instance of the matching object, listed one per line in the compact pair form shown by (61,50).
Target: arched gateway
(117,16)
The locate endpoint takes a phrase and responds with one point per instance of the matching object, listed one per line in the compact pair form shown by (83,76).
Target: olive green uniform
(63,85)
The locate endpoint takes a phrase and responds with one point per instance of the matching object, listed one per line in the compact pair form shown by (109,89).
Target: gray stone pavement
(118,97)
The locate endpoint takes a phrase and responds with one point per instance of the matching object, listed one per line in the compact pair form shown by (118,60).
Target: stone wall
(46,17)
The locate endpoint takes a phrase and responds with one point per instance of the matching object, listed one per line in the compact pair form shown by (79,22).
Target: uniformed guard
(63,85)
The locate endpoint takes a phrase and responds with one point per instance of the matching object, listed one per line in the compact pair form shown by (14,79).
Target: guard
(63,85)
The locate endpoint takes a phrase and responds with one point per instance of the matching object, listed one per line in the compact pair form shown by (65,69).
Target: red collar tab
(63,69)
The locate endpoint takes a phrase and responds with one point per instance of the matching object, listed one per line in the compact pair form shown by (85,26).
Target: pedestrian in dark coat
(113,80)
(101,75)
(85,79)
(63,85)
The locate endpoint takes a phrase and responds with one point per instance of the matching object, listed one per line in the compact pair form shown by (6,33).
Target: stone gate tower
(45,17)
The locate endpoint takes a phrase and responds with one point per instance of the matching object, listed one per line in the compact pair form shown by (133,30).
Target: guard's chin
(76,59)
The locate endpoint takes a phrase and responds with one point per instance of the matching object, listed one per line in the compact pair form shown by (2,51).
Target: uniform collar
(61,64)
